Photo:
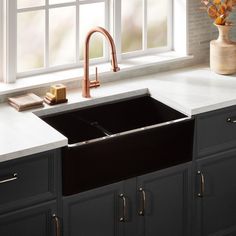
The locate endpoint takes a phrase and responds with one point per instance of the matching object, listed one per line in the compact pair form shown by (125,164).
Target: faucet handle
(116,69)
(95,83)
(96,73)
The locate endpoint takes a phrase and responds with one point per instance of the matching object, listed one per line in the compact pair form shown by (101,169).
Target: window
(48,35)
(145,25)
(54,30)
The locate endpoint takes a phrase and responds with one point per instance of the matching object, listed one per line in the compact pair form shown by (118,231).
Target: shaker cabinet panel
(153,204)
(216,131)
(34,221)
(216,194)
(164,204)
(97,212)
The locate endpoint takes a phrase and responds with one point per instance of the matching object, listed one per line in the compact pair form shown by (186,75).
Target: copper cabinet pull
(123,217)
(202,184)
(57,224)
(10,178)
(143,202)
(231,120)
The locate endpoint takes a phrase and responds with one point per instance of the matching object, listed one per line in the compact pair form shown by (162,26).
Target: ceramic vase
(223,52)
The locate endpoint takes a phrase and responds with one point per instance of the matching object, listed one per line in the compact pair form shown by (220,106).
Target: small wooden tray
(55,102)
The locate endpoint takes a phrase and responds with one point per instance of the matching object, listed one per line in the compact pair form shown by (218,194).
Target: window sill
(133,64)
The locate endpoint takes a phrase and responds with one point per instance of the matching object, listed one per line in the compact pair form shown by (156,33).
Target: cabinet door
(97,212)
(216,195)
(34,221)
(164,202)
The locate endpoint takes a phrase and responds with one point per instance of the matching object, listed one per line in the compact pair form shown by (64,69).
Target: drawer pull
(123,217)
(202,184)
(143,202)
(57,224)
(10,178)
(231,120)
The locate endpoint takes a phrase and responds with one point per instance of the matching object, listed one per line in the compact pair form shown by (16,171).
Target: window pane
(62,35)
(131,25)
(30,40)
(157,23)
(30,3)
(92,15)
(60,1)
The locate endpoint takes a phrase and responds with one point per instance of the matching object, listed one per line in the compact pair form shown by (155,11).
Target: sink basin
(119,140)
(74,128)
(130,114)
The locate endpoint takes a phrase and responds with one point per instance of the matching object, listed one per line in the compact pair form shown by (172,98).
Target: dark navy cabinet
(216,194)
(28,180)
(149,205)
(96,212)
(215,131)
(38,220)
(165,202)
(215,174)
(29,195)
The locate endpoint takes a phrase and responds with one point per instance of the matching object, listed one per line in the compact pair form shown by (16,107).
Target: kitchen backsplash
(201,31)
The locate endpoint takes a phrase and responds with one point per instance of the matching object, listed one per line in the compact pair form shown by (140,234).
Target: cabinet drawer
(27,180)
(216,131)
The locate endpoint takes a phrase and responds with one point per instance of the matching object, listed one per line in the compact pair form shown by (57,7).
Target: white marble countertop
(190,91)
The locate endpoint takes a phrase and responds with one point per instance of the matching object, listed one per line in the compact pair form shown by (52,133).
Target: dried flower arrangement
(219,10)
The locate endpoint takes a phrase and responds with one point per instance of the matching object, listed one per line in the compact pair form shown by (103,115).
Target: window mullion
(1,38)
(77,32)
(116,26)
(170,25)
(144,37)
(107,26)
(46,46)
(10,41)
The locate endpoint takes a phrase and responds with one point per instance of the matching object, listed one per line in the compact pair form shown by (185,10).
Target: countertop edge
(33,150)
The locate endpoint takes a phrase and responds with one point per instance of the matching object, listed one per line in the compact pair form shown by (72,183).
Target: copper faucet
(86,83)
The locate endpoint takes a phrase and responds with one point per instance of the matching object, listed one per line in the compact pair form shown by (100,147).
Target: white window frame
(112,23)
(116,29)
(145,50)
(11,40)
(9,45)
(1,40)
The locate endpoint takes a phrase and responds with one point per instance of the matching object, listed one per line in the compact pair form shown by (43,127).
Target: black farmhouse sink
(129,114)
(120,140)
(74,128)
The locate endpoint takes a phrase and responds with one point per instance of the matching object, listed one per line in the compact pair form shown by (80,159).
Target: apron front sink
(119,140)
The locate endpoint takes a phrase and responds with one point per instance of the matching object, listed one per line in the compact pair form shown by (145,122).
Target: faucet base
(86,89)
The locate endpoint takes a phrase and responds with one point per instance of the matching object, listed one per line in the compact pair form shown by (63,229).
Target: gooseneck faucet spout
(86,83)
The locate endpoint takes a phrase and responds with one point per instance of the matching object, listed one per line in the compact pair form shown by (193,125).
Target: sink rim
(78,144)
(137,94)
